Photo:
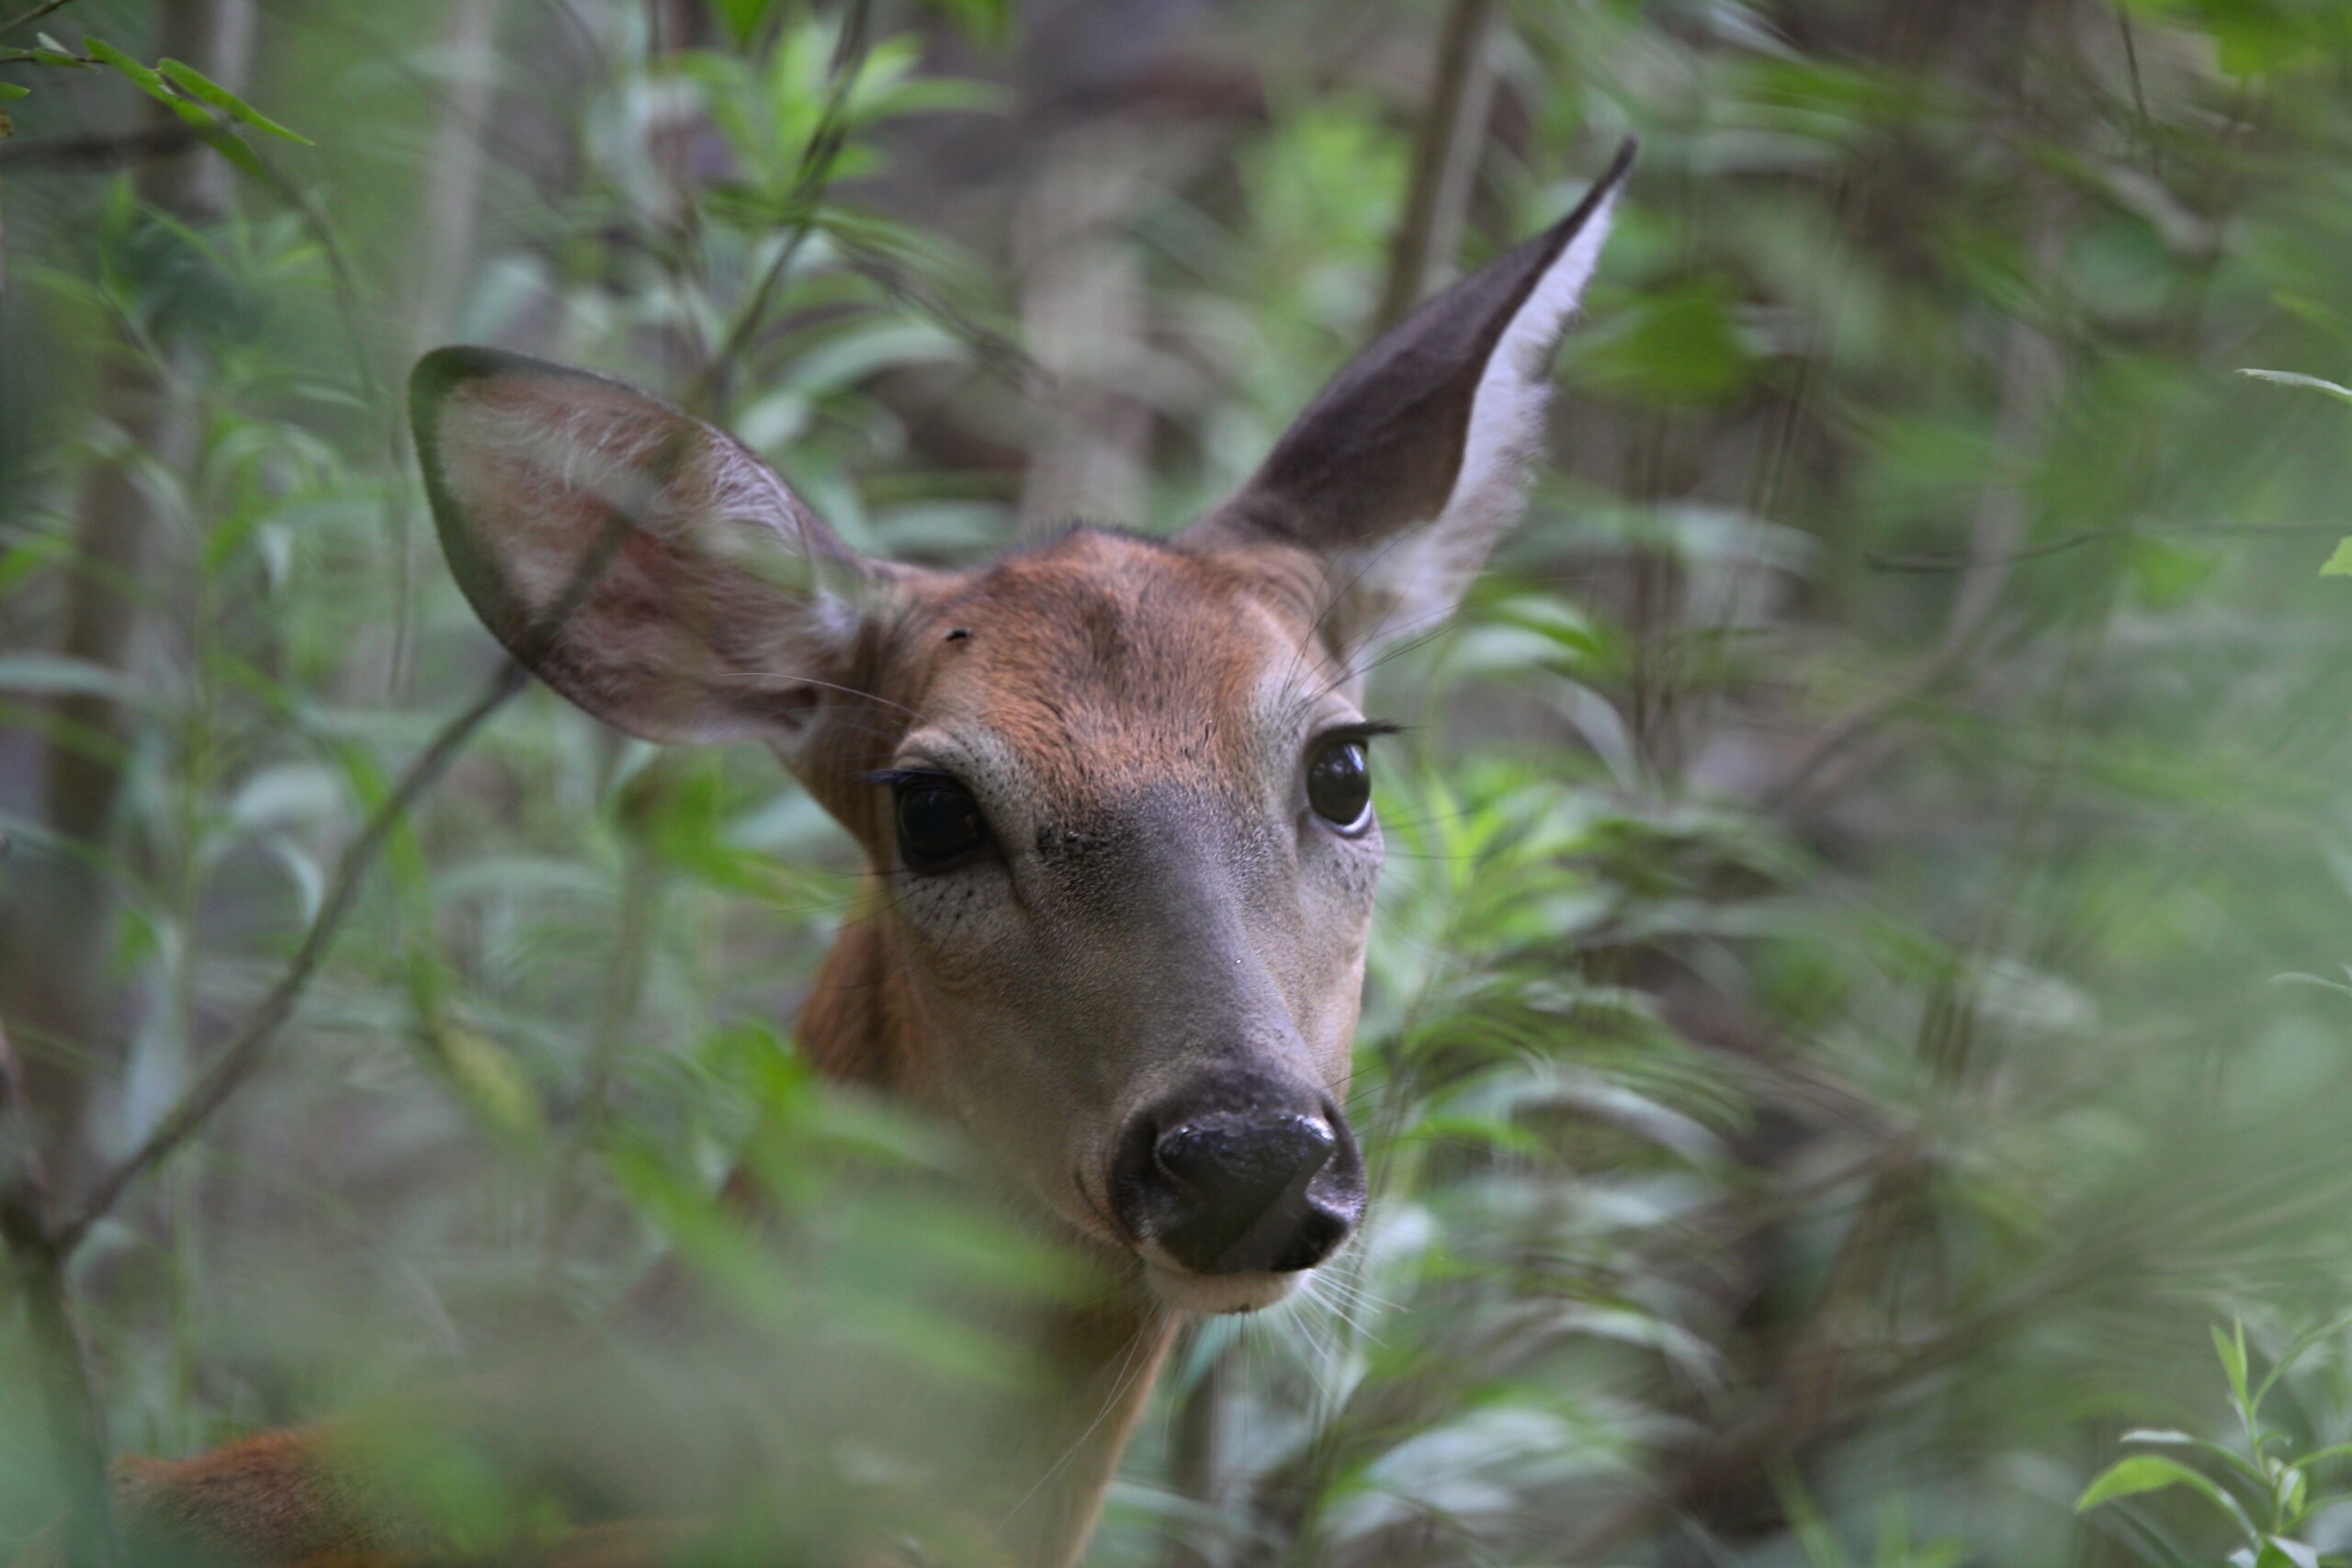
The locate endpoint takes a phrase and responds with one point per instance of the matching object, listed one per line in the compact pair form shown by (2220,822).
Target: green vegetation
(1850,1005)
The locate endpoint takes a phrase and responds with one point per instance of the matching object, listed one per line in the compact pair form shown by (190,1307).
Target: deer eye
(1339,785)
(939,823)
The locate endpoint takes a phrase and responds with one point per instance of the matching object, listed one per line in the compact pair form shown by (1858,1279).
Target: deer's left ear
(1406,470)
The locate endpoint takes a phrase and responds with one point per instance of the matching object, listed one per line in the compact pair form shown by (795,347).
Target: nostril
(1225,1182)
(1225,1161)
(1320,1230)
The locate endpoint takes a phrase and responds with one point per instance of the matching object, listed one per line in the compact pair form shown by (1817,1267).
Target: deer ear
(641,562)
(1406,470)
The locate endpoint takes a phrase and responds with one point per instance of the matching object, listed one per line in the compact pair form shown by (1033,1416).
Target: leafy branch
(210,110)
(2338,564)
(2265,1495)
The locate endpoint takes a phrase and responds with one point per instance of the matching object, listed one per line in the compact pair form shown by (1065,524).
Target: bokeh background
(1859,986)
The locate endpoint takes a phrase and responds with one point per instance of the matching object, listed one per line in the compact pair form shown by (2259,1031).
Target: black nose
(1240,1176)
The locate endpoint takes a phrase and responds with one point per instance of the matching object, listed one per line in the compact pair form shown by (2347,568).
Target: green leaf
(52,52)
(1679,346)
(2153,1472)
(2338,564)
(237,152)
(988,21)
(2277,1552)
(2230,1347)
(148,80)
(2238,1462)
(2290,379)
(196,84)
(2168,573)
(742,17)
(2318,1457)
(11,90)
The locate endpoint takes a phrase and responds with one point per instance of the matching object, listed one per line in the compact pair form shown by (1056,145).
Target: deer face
(1130,858)
(1114,790)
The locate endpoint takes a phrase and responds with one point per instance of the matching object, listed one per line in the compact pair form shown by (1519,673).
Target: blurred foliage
(1820,1062)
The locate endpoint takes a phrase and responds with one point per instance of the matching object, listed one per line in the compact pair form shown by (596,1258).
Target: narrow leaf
(236,151)
(148,80)
(196,84)
(2320,1456)
(2230,1347)
(2340,563)
(2290,379)
(2153,1472)
(11,90)
(2236,1462)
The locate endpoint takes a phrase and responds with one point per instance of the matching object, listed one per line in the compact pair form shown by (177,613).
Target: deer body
(1112,790)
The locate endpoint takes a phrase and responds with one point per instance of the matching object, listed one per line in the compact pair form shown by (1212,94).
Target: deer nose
(1223,1187)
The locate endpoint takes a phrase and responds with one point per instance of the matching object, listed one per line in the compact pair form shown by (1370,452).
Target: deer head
(1114,790)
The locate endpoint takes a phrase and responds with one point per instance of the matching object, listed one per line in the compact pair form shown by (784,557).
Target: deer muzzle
(1239,1177)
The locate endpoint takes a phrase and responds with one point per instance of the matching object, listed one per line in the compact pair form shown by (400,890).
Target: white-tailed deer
(1114,790)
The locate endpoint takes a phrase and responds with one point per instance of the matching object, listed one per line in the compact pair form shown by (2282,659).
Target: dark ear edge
(640,652)
(436,375)
(439,374)
(1382,447)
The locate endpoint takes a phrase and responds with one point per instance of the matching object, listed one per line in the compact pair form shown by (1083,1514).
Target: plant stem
(230,1070)
(69,1395)
(35,15)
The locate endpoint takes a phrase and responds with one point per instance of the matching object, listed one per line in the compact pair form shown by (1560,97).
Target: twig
(76,1419)
(101,151)
(1445,160)
(800,207)
(35,15)
(640,894)
(2028,374)
(230,1070)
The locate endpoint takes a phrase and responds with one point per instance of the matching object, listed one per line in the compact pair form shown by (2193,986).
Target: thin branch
(800,206)
(35,15)
(99,151)
(1445,160)
(2029,372)
(230,1070)
(76,1419)
(632,960)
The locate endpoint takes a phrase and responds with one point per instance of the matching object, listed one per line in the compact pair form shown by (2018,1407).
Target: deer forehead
(1103,669)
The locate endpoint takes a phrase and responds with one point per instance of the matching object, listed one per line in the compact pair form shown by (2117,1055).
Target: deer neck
(860,1025)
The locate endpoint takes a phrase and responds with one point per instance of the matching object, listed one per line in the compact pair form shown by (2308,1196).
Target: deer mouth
(1217,1295)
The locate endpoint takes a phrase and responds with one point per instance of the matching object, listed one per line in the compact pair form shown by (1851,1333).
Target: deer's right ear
(1406,470)
(641,562)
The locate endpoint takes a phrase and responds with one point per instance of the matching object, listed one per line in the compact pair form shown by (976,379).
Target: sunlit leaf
(2293,378)
(2152,1472)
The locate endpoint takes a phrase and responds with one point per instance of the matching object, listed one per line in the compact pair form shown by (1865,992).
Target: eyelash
(1368,731)
(897,776)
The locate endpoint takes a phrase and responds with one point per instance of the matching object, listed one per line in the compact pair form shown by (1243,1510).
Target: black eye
(939,823)
(1339,785)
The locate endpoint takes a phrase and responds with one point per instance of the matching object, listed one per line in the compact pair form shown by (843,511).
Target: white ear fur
(1404,470)
(1421,574)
